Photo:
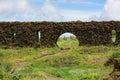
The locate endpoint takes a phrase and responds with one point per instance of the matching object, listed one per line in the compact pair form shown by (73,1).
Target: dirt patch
(19,65)
(99,60)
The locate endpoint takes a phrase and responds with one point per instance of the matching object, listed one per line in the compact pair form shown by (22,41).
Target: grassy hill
(66,62)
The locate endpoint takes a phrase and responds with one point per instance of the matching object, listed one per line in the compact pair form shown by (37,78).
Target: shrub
(112,58)
(91,76)
(17,77)
(5,70)
(1,54)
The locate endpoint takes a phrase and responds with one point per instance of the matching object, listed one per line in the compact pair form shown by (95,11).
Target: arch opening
(67,40)
(39,36)
(113,36)
(14,35)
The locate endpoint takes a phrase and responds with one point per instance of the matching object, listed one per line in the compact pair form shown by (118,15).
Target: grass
(75,63)
(63,42)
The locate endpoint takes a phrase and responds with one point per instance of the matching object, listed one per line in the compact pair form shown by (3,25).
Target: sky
(59,10)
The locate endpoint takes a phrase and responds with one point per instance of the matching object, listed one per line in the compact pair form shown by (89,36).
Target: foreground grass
(76,63)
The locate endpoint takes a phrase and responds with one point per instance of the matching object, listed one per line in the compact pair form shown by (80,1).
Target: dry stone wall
(25,34)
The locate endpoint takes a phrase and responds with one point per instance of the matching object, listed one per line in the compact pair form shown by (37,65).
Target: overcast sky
(59,10)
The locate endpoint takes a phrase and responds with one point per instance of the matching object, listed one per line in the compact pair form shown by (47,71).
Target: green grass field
(73,62)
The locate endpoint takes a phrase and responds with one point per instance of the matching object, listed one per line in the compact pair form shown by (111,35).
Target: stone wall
(25,34)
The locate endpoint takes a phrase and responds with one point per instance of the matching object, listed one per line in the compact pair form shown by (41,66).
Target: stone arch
(68,35)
